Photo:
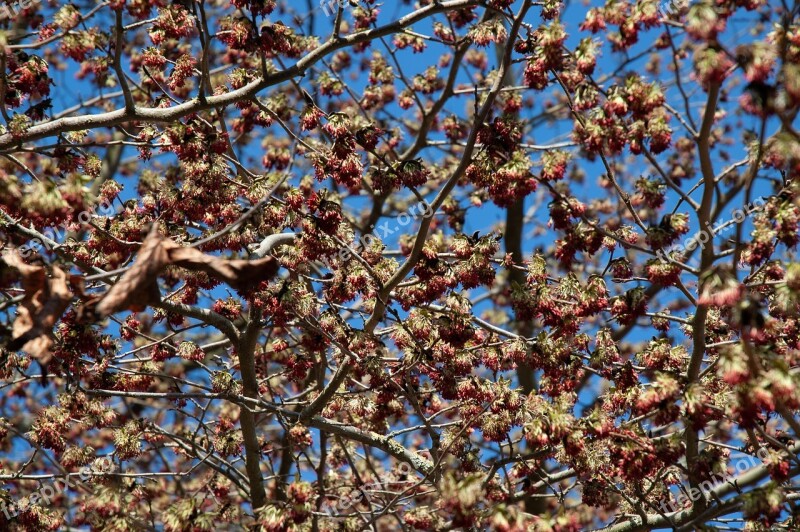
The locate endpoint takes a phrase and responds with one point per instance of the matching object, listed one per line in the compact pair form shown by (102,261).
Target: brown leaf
(44,301)
(239,274)
(138,287)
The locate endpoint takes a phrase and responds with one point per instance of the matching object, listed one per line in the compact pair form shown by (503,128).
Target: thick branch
(706,261)
(247,417)
(172,114)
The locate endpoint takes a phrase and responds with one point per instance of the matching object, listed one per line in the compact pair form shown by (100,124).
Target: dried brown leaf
(44,301)
(239,274)
(138,287)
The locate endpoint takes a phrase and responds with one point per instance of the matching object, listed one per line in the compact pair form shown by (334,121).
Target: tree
(451,264)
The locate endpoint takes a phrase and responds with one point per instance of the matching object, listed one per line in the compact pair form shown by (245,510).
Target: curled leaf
(138,287)
(45,300)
